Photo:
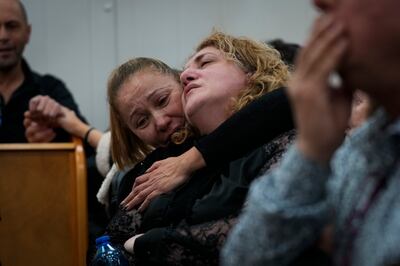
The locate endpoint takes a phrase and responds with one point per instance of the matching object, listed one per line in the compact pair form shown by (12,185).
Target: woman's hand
(37,133)
(162,177)
(321,112)
(44,110)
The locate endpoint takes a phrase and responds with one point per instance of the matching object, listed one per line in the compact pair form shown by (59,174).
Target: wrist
(193,160)
(313,153)
(87,135)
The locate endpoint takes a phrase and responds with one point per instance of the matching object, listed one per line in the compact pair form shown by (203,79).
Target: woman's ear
(248,75)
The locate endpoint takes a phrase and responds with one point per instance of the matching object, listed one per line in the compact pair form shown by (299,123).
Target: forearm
(76,127)
(285,212)
(192,160)
(198,244)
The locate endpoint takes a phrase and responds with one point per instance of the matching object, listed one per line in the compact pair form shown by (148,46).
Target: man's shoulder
(47,82)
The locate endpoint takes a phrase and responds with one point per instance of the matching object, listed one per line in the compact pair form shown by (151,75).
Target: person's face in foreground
(373,31)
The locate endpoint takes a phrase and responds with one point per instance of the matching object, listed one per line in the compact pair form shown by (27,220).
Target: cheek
(147,135)
(176,105)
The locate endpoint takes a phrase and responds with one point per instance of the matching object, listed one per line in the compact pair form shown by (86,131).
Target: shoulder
(48,81)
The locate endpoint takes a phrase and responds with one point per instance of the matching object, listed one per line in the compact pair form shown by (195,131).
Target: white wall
(81,41)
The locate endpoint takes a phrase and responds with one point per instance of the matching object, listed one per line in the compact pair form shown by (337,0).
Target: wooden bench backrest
(43,205)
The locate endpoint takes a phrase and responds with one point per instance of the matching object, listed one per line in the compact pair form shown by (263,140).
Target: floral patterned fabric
(186,243)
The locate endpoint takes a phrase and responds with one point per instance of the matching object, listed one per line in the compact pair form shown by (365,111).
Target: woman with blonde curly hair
(188,225)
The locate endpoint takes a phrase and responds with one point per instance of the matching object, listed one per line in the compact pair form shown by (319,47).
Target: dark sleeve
(184,245)
(57,90)
(257,123)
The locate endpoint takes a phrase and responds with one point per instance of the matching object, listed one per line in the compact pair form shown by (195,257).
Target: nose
(188,75)
(3,33)
(162,122)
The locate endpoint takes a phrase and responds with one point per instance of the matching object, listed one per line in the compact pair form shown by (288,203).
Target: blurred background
(81,41)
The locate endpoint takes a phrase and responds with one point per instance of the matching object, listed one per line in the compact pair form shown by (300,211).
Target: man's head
(14,33)
(373,30)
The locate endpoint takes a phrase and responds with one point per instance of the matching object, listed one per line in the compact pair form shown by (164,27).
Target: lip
(190,87)
(6,50)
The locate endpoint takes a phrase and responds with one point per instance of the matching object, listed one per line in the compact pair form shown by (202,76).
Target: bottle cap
(102,239)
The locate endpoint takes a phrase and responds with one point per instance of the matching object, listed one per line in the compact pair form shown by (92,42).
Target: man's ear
(28,33)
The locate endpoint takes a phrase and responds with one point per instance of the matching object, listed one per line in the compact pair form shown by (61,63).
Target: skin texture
(150,105)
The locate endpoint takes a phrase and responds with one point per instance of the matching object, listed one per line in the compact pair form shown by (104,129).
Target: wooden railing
(43,204)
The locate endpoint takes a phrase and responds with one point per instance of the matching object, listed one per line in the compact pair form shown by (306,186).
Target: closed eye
(205,63)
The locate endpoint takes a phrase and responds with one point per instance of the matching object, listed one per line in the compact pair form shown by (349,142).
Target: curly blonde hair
(126,148)
(266,69)
(261,62)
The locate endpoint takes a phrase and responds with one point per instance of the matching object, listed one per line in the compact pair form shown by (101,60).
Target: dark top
(12,129)
(257,123)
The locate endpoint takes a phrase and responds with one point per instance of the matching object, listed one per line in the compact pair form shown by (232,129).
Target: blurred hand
(163,176)
(321,112)
(44,110)
(35,132)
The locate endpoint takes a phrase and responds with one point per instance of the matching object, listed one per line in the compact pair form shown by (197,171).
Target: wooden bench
(43,204)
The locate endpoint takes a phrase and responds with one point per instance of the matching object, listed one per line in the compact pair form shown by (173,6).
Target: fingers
(326,39)
(27,119)
(140,197)
(148,199)
(44,109)
(141,179)
(153,167)
(36,133)
(135,189)
(33,103)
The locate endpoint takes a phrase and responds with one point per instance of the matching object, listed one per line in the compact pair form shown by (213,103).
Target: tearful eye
(163,101)
(141,122)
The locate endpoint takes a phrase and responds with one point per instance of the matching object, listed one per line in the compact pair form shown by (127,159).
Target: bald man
(21,89)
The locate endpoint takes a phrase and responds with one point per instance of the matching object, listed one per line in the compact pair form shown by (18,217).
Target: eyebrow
(136,110)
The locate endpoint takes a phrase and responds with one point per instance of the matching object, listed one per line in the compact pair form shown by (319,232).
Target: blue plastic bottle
(107,255)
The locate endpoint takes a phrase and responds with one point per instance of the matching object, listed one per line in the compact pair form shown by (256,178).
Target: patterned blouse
(189,243)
